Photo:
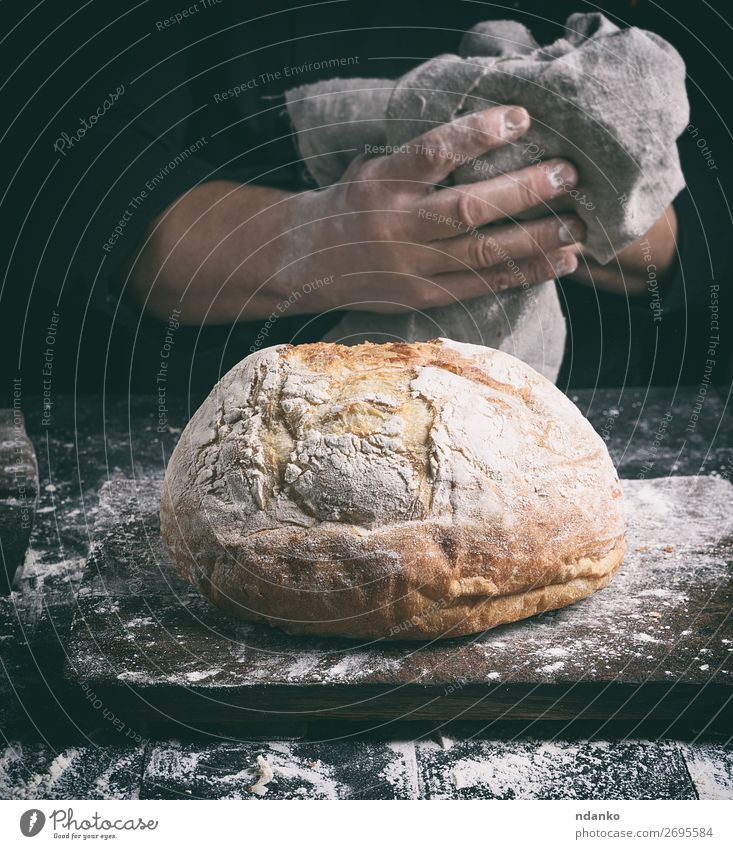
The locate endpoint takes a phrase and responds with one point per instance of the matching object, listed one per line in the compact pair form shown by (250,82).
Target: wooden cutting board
(656,643)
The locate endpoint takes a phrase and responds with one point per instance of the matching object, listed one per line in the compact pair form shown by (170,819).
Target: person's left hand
(643,264)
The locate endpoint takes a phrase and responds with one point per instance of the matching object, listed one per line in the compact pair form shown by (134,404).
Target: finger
(415,291)
(499,243)
(473,205)
(431,157)
(463,285)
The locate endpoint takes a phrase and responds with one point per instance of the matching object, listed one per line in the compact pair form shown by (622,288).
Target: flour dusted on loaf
(309,448)
(383,439)
(336,489)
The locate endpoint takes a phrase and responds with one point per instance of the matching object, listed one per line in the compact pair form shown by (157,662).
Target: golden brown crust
(430,620)
(322,357)
(493,533)
(443,587)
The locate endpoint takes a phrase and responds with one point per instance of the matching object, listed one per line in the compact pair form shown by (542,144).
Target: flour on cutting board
(649,618)
(37,570)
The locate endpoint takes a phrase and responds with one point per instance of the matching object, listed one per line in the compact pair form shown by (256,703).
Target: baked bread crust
(411,491)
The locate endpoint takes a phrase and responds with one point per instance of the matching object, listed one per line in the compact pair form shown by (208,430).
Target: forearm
(214,254)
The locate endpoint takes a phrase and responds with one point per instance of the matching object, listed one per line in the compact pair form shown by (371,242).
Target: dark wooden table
(64,741)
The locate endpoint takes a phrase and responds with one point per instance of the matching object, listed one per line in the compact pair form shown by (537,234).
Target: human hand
(639,268)
(390,241)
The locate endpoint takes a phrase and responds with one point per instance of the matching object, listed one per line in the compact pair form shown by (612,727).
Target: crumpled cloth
(612,101)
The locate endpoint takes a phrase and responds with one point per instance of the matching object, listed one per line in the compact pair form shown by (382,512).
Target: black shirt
(121,111)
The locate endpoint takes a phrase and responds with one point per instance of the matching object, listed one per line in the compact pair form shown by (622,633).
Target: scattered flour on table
(556,651)
(302,666)
(401,773)
(355,666)
(651,498)
(37,569)
(509,770)
(319,664)
(315,779)
(641,637)
(140,622)
(516,774)
(36,784)
(201,675)
(711,769)
(549,668)
(284,773)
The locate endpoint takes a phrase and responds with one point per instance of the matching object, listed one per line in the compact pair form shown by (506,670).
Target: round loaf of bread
(410,491)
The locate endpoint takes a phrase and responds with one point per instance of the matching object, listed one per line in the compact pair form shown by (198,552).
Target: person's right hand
(388,240)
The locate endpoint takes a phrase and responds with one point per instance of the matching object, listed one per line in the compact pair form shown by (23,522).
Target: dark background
(56,212)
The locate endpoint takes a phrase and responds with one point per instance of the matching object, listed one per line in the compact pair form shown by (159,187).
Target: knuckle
(433,151)
(475,253)
(367,168)
(358,162)
(367,187)
(486,119)
(434,296)
(539,237)
(361,174)
(469,209)
(527,193)
(481,253)
(427,294)
(539,269)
